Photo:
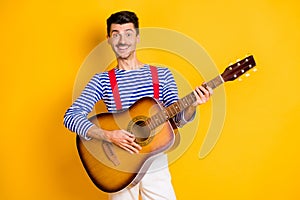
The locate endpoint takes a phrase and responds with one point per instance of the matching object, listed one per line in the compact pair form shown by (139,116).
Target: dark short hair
(122,17)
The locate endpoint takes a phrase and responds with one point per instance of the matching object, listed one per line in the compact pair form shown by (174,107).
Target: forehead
(121,27)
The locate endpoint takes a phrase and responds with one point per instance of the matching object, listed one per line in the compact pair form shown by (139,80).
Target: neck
(125,65)
(129,63)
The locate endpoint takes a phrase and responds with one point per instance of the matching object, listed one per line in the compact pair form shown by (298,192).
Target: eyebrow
(116,31)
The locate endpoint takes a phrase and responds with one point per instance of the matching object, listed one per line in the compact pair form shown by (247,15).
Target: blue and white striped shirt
(132,84)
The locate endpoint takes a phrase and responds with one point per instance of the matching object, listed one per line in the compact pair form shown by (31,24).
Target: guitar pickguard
(109,151)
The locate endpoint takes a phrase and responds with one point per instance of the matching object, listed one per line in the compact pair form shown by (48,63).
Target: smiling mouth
(122,47)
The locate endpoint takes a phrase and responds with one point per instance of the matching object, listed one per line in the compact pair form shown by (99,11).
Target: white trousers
(155,185)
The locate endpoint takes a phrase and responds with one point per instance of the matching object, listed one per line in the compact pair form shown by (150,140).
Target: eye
(128,34)
(115,36)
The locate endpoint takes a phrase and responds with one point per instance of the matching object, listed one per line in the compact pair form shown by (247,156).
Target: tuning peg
(247,74)
(240,79)
(254,70)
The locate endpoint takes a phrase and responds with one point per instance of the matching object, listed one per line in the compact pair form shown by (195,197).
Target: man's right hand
(121,138)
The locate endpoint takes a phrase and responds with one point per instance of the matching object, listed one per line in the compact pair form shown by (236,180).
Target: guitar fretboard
(179,106)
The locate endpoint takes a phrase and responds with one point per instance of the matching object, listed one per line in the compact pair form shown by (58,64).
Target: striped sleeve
(75,118)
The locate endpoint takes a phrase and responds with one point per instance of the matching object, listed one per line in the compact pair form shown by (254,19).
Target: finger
(135,145)
(127,149)
(198,95)
(201,95)
(204,91)
(198,92)
(210,90)
(126,137)
(129,139)
(128,134)
(130,148)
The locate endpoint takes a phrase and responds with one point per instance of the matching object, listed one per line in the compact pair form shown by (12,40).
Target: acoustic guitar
(110,167)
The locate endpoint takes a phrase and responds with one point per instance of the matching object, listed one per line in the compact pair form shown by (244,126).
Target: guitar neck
(177,107)
(231,73)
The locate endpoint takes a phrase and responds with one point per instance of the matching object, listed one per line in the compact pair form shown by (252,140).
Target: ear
(108,40)
(138,39)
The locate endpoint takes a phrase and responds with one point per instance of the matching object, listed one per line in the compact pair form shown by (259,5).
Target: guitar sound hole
(141,132)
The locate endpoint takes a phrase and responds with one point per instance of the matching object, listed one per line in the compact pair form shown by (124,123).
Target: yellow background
(43,44)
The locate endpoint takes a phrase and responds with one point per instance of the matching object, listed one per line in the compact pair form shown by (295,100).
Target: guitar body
(110,167)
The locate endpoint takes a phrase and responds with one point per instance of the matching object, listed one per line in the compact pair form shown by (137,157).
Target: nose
(122,39)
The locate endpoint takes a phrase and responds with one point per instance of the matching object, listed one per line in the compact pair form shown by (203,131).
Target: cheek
(109,41)
(135,42)
(113,43)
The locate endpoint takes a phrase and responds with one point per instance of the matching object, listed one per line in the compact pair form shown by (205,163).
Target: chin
(124,55)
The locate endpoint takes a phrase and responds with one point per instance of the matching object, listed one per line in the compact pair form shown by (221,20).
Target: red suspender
(155,82)
(115,89)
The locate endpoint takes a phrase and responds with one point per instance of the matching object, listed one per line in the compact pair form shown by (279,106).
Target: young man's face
(123,39)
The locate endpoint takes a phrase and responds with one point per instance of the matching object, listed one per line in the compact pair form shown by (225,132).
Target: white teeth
(123,47)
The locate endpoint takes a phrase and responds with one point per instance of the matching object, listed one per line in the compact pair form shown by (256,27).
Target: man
(132,77)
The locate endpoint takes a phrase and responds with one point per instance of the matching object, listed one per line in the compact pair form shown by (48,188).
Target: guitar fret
(180,103)
(155,120)
(168,111)
(172,110)
(186,101)
(191,99)
(215,82)
(147,124)
(177,107)
(161,117)
(152,127)
(158,119)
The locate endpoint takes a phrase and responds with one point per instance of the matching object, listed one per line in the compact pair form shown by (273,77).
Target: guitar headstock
(239,68)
